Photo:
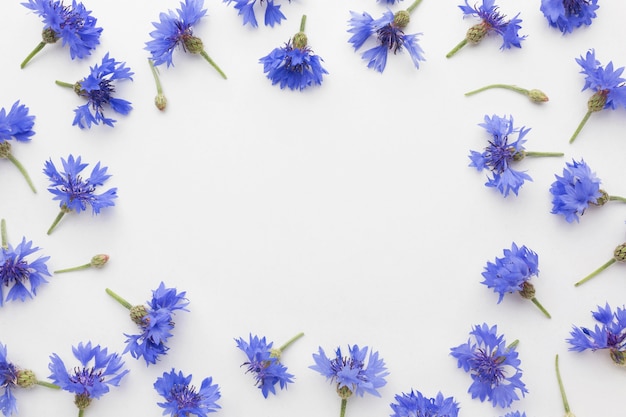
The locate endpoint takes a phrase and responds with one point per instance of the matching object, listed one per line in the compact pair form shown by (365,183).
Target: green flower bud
(98,261)
(193,44)
(476,33)
(401,19)
(597,101)
(5,149)
(26,378)
(620,253)
(49,36)
(527,291)
(82,401)
(137,313)
(344,392)
(300,40)
(537,96)
(160,102)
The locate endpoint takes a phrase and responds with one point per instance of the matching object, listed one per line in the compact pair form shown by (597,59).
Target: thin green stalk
(413,6)
(302,23)
(3,232)
(457,48)
(596,272)
(563,396)
(344,403)
(21,168)
(543,310)
(155,74)
(30,56)
(580,126)
(76,268)
(119,299)
(213,64)
(56,221)
(64,84)
(81,412)
(505,86)
(617,198)
(290,341)
(544,154)
(48,385)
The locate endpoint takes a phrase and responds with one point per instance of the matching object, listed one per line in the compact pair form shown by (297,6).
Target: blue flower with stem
(294,65)
(567,15)
(415,404)
(568,411)
(576,190)
(183,399)
(73,24)
(16,124)
(501,152)
(493,366)
(98,370)
(619,255)
(512,273)
(390,36)
(264,363)
(176,29)
(610,334)
(75,193)
(154,320)
(608,86)
(16,272)
(492,21)
(98,88)
(352,373)
(273,15)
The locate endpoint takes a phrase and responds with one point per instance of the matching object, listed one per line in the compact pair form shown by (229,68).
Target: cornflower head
(294,65)
(264,363)
(182,399)
(515,414)
(619,255)
(501,153)
(351,373)
(16,272)
(609,334)
(73,24)
(16,124)
(75,193)
(154,321)
(390,36)
(273,15)
(492,21)
(567,15)
(512,272)
(98,371)
(176,29)
(576,190)
(493,366)
(568,411)
(98,89)
(414,404)
(608,86)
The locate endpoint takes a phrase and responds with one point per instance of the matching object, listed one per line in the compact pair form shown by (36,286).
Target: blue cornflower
(273,15)
(515,414)
(175,29)
(494,366)
(97,371)
(610,334)
(155,322)
(8,381)
(73,192)
(567,15)
(294,65)
(608,86)
(98,89)
(389,1)
(264,363)
(73,24)
(512,272)
(182,399)
(16,124)
(575,190)
(491,21)
(415,404)
(389,32)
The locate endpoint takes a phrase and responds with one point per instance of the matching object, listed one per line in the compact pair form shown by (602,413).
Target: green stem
(21,168)
(81,412)
(457,48)
(213,64)
(290,341)
(617,198)
(76,268)
(48,385)
(64,84)
(413,6)
(505,86)
(543,154)
(580,126)
(155,74)
(302,23)
(38,48)
(344,403)
(3,232)
(119,299)
(543,310)
(596,272)
(558,377)
(56,221)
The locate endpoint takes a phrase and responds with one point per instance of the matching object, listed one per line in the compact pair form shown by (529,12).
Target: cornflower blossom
(273,15)
(16,272)
(73,24)
(294,65)
(98,371)
(264,363)
(567,15)
(609,334)
(16,124)
(492,21)
(390,36)
(182,399)
(608,86)
(98,89)
(176,29)
(493,366)
(155,322)
(415,404)
(576,190)
(75,193)
(619,255)
(501,152)
(515,414)
(351,373)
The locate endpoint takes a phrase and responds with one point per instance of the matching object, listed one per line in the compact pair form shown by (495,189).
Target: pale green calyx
(49,36)
(300,40)
(137,313)
(401,19)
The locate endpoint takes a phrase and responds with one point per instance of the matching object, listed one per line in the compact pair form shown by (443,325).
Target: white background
(347,211)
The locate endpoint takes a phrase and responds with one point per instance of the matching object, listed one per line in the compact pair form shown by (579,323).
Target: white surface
(346,211)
